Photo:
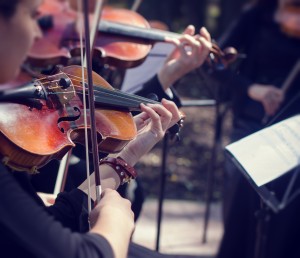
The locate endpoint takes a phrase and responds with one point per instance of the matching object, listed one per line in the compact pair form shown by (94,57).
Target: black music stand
(271,201)
(163,174)
(278,191)
(220,110)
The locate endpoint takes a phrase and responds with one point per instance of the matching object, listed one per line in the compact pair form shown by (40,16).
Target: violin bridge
(61,90)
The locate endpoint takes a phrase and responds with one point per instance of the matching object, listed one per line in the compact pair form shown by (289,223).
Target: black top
(29,229)
(270,56)
(154,86)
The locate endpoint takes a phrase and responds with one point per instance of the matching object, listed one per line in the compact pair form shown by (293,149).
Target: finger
(171,106)
(268,109)
(174,41)
(203,52)
(206,44)
(186,46)
(156,126)
(189,45)
(280,96)
(271,105)
(160,116)
(204,33)
(141,120)
(189,30)
(106,192)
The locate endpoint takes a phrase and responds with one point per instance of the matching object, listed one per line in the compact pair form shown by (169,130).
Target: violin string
(116,96)
(47,77)
(113,92)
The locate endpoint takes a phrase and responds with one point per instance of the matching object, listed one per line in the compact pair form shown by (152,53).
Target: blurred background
(215,15)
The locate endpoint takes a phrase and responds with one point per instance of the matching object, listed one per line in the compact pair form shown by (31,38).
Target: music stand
(163,173)
(281,183)
(276,155)
(270,201)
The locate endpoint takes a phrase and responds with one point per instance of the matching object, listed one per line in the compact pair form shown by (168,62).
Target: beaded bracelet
(124,171)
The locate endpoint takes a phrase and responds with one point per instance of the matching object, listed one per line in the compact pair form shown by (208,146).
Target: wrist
(133,152)
(124,170)
(164,79)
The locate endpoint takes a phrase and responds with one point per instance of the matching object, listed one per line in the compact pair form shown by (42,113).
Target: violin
(46,118)
(124,38)
(288,16)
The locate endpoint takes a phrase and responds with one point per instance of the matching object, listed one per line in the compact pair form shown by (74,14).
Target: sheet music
(137,76)
(271,152)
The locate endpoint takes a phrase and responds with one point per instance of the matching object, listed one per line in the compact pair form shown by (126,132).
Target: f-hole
(68,119)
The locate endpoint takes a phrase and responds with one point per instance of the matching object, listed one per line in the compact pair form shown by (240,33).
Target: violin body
(119,50)
(35,131)
(61,41)
(49,50)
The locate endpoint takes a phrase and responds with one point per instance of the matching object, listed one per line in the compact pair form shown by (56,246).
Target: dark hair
(8,8)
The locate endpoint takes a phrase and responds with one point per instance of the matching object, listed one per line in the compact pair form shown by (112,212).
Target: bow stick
(88,48)
(136,4)
(86,62)
(285,86)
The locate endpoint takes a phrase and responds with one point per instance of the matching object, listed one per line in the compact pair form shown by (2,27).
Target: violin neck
(118,99)
(151,35)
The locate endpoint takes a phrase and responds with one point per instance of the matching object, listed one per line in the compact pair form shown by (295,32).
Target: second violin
(124,38)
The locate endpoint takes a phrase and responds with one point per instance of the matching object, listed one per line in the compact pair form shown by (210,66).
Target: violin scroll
(219,59)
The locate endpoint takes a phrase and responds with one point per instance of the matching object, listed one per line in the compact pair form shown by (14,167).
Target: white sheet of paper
(137,76)
(271,152)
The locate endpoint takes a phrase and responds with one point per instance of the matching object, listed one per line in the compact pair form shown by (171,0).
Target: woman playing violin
(190,52)
(28,228)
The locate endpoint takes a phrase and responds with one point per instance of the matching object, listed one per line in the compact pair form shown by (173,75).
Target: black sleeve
(34,230)
(232,86)
(70,209)
(154,86)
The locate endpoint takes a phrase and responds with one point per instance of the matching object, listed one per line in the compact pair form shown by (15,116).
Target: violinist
(28,228)
(259,95)
(190,51)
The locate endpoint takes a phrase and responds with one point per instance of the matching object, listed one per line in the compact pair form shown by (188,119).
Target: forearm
(169,75)
(109,179)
